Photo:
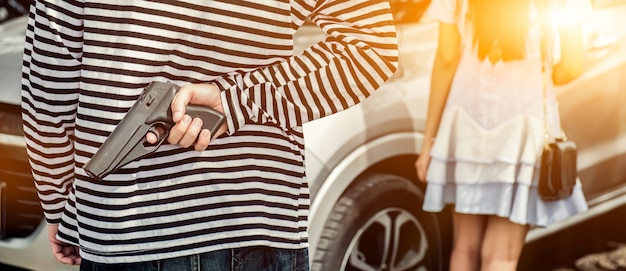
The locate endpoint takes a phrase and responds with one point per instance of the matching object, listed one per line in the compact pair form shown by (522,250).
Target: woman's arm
(446,61)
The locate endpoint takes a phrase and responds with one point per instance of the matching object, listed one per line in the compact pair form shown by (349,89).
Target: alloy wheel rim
(386,243)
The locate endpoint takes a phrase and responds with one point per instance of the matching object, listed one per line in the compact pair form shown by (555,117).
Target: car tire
(378,224)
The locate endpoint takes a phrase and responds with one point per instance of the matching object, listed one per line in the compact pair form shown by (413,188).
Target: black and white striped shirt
(87,61)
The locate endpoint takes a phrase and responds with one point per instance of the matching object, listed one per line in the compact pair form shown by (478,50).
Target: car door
(592,107)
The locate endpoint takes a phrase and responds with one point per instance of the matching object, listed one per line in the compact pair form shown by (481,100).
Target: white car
(366,202)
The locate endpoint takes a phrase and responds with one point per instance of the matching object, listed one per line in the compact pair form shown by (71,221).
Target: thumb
(179,102)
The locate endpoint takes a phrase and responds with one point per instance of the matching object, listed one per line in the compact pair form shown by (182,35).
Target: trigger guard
(160,134)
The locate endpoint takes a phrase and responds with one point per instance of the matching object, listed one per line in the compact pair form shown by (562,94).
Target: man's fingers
(65,260)
(190,136)
(180,100)
(68,251)
(187,131)
(198,94)
(74,254)
(203,140)
(154,135)
(179,129)
(65,254)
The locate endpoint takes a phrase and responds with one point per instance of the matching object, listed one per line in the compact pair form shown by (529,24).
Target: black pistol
(151,113)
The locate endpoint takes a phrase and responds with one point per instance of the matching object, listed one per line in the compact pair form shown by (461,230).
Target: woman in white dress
(486,111)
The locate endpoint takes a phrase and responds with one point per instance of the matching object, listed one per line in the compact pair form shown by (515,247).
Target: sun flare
(571,12)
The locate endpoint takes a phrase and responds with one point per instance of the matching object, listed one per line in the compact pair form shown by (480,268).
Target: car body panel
(11,48)
(392,117)
(592,107)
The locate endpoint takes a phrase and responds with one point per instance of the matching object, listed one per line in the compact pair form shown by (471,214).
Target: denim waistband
(257,258)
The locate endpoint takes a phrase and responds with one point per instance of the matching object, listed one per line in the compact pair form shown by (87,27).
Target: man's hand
(65,253)
(187,131)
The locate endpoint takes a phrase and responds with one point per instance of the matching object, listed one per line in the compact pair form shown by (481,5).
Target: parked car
(366,202)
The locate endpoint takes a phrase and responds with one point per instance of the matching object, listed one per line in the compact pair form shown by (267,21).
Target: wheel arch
(392,153)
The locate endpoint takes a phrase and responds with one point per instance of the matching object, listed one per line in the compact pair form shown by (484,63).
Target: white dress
(485,156)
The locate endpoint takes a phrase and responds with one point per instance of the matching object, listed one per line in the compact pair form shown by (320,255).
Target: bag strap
(546,136)
(545,43)
(543,7)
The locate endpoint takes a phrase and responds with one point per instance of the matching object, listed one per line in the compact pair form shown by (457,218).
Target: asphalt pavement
(594,245)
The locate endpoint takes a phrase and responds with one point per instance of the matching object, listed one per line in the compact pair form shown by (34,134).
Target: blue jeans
(238,259)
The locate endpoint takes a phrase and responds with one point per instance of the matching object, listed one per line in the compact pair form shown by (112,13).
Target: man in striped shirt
(226,204)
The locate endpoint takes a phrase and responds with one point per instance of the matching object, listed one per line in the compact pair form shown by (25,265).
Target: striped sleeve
(50,82)
(358,55)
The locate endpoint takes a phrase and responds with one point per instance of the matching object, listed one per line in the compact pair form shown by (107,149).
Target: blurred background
(366,142)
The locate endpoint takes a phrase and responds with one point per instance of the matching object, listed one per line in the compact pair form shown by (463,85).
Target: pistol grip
(211,119)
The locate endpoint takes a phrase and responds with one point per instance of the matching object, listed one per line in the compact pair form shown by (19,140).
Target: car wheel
(378,224)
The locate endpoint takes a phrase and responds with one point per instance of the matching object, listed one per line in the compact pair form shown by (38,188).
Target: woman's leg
(468,235)
(502,244)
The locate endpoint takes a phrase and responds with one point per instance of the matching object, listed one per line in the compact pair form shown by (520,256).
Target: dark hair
(500,25)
